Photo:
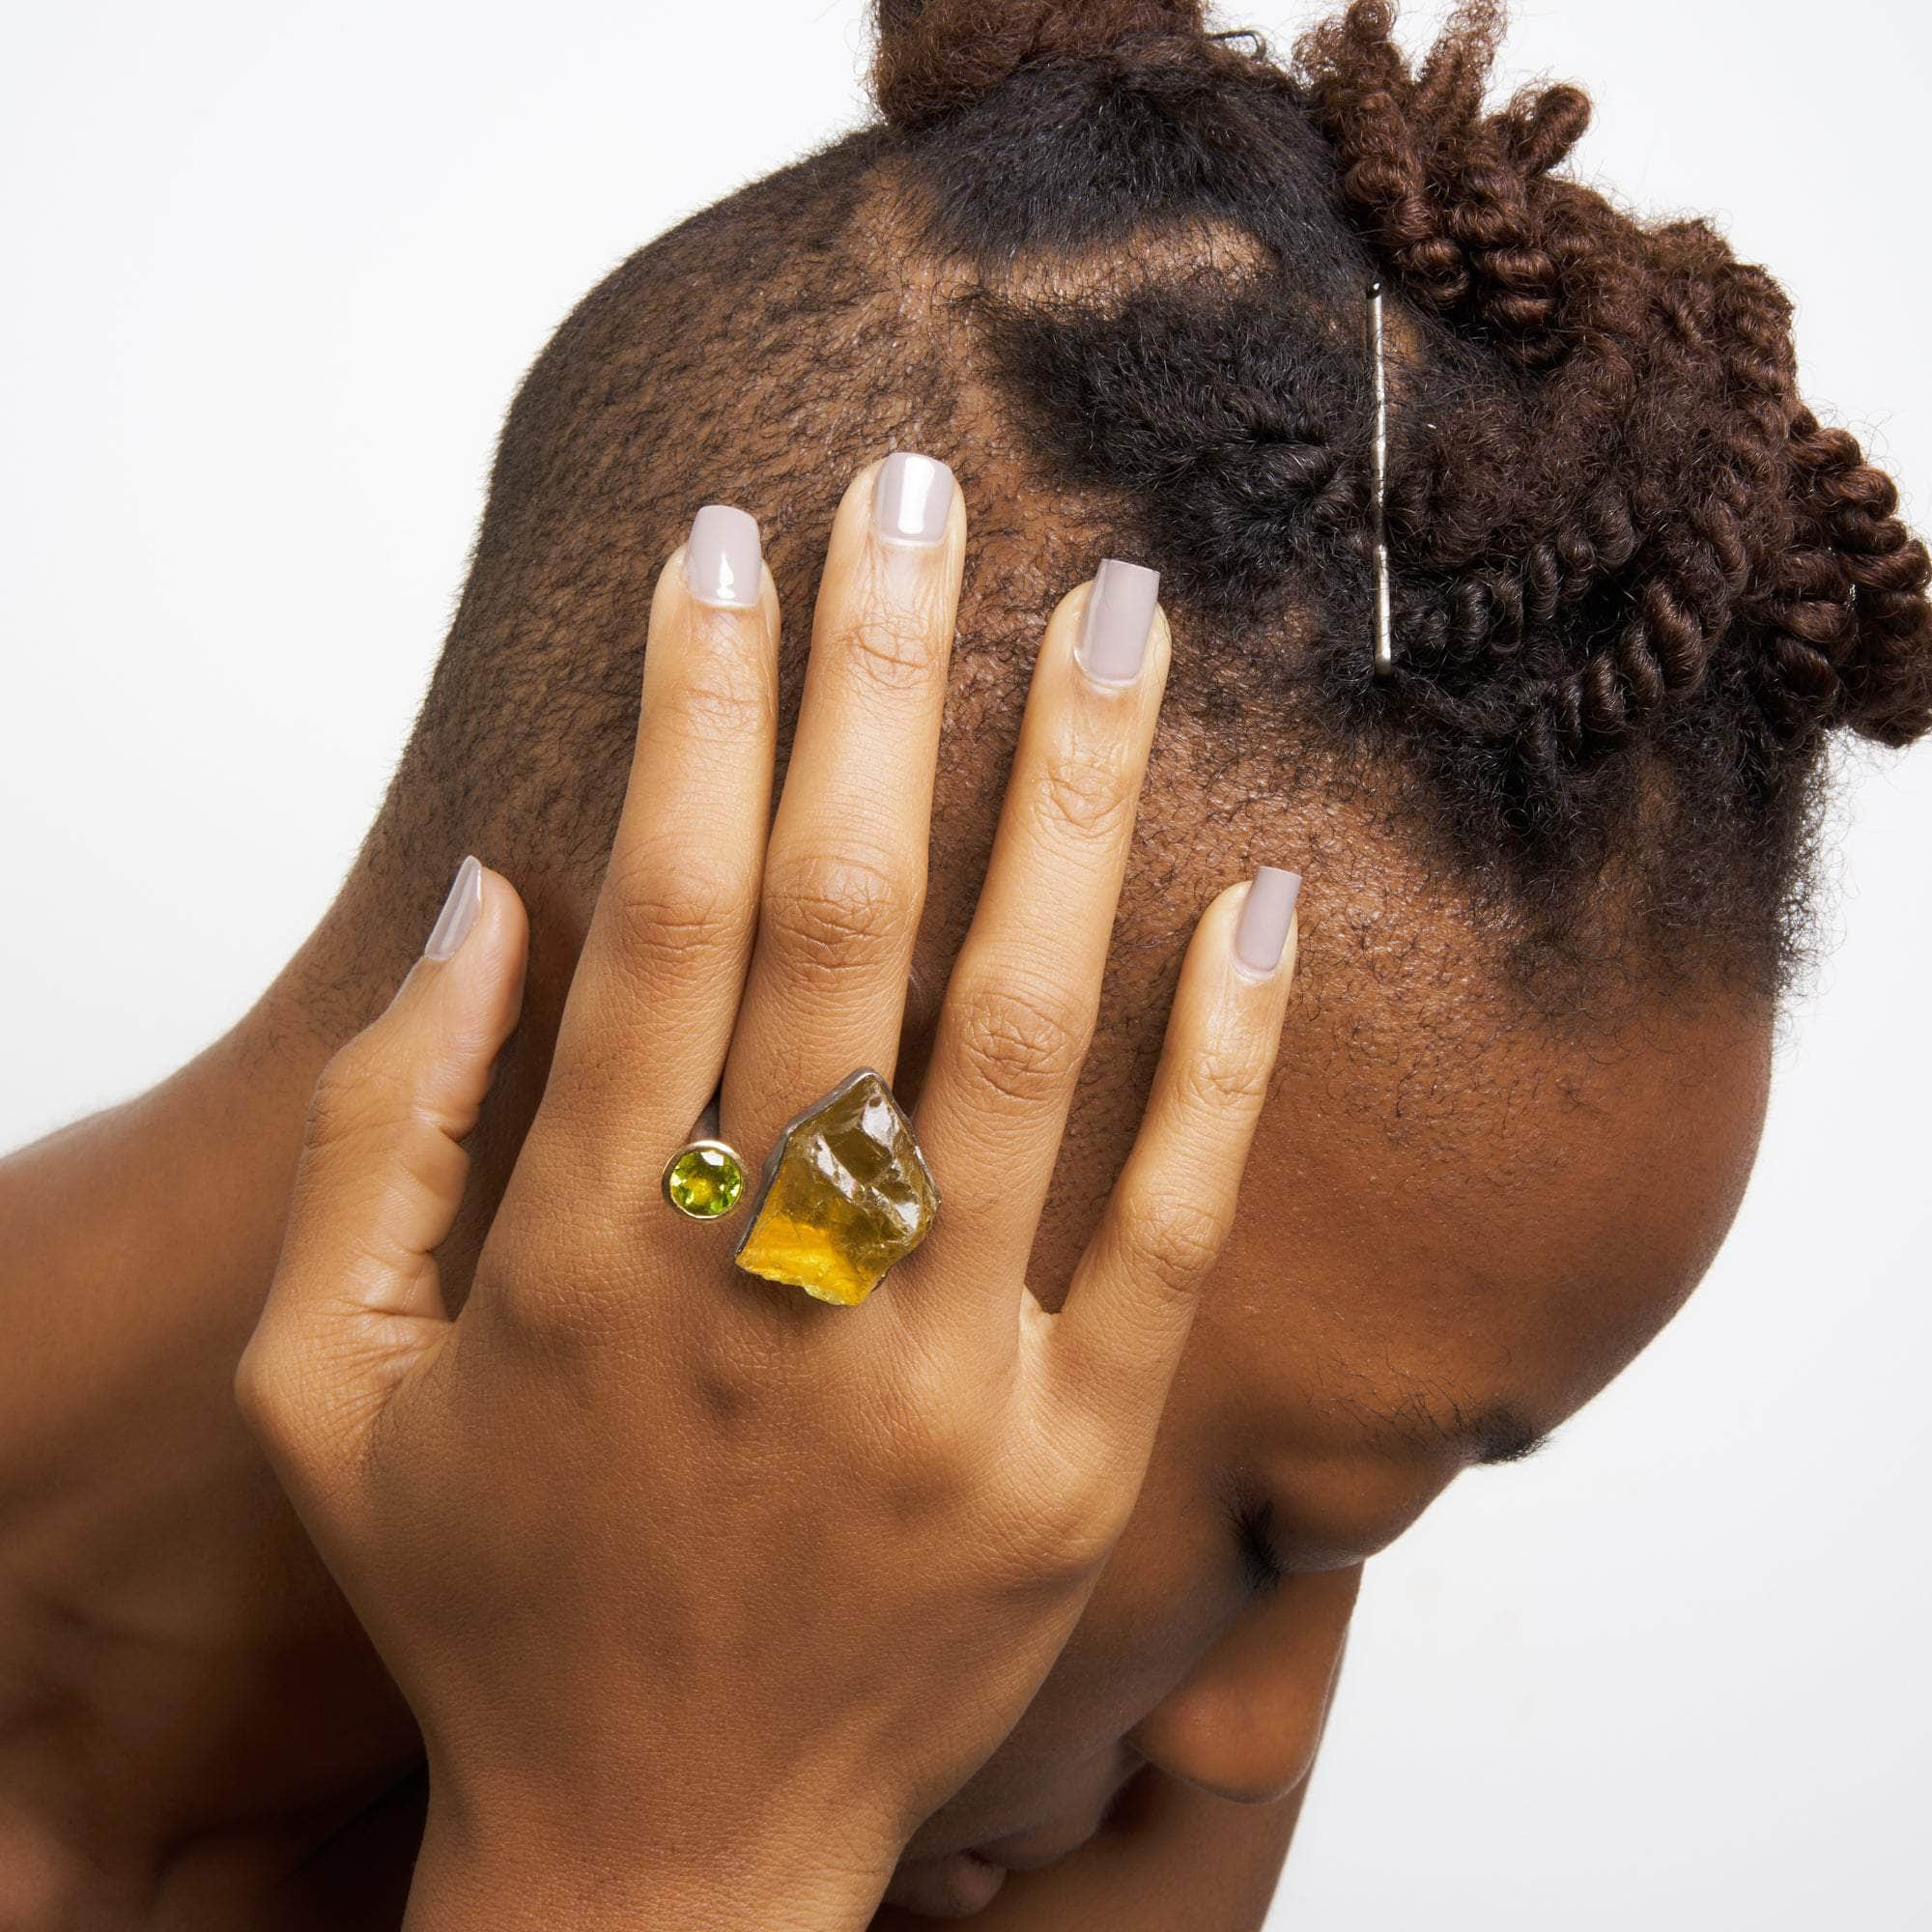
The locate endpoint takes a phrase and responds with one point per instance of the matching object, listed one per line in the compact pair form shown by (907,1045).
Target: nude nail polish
(453,924)
(1260,933)
(1119,621)
(911,500)
(722,559)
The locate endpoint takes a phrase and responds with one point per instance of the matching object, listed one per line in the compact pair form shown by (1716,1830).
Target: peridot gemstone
(844,1195)
(704,1181)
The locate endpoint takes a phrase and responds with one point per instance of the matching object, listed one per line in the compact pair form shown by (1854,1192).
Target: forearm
(489,1899)
(473,1882)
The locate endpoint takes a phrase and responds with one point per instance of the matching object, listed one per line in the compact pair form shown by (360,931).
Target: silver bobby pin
(1384,645)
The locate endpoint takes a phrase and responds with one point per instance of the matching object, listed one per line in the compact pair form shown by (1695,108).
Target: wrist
(757,1874)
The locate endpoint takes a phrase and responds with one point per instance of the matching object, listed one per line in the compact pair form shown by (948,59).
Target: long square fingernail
(459,912)
(1119,620)
(912,499)
(722,558)
(1260,933)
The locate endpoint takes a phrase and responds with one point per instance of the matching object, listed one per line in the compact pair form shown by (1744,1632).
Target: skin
(587,1638)
(1466,1213)
(1358,1299)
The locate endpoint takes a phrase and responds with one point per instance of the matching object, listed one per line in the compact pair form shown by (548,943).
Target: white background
(272,273)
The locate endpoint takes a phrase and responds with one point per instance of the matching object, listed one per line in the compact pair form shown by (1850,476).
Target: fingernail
(912,499)
(722,558)
(459,912)
(1119,620)
(1260,935)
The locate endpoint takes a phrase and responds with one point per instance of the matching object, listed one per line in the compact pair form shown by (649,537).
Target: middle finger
(845,869)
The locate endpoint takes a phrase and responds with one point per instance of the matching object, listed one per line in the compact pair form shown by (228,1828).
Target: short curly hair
(1635,581)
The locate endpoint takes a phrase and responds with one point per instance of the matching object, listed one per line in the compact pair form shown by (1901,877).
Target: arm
(1175,1857)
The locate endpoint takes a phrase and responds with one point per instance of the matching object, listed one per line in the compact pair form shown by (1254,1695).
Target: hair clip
(1385,660)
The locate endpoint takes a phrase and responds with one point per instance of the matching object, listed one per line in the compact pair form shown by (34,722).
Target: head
(1113,270)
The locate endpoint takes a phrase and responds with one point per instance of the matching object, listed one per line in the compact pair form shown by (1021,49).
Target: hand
(704,1593)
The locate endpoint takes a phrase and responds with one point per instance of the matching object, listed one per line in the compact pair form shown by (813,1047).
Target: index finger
(651,1006)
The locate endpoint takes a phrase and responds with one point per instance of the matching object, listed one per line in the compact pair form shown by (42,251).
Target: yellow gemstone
(704,1181)
(844,1195)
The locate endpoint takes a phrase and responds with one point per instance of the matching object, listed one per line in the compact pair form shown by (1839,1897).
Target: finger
(356,1302)
(1024,994)
(845,872)
(655,993)
(1129,1309)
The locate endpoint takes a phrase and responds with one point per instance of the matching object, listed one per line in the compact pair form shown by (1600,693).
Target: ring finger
(1025,991)
(845,867)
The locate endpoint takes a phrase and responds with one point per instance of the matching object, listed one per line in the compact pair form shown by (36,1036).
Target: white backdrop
(273,268)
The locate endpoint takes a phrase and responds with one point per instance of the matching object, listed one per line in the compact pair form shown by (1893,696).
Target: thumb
(356,1303)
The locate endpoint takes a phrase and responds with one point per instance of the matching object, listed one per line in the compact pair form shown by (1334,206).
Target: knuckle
(1218,1081)
(1024,1043)
(934,1415)
(713,699)
(254,1385)
(1085,788)
(911,1415)
(344,1075)
(264,1398)
(826,913)
(332,1102)
(544,1319)
(359,1095)
(1030,1554)
(1170,1241)
(1069,1523)
(1086,1529)
(679,912)
(895,651)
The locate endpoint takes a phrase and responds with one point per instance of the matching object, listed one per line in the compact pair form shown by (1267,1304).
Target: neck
(165,1629)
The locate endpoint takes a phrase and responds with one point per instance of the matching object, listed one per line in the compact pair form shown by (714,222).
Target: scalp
(1145,341)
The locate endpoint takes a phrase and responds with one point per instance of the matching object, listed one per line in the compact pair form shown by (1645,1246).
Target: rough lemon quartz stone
(848,1196)
(705,1182)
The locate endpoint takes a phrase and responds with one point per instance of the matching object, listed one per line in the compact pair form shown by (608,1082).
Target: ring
(845,1193)
(706,1176)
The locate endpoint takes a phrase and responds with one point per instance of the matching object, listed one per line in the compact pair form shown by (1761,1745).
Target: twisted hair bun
(938,56)
(1634,581)
(1462,201)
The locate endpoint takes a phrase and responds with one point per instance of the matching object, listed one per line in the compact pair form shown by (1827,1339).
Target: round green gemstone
(705,1182)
